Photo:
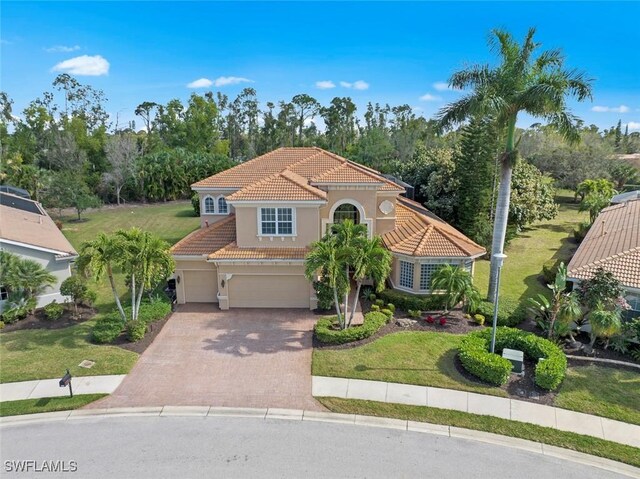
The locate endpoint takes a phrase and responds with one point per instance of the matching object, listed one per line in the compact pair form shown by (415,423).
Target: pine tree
(618,140)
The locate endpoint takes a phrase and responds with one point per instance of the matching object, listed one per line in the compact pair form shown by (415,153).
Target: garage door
(201,286)
(268,291)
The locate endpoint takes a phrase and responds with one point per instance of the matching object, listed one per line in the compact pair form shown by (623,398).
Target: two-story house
(258,219)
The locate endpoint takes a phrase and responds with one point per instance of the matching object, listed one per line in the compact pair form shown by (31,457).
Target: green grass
(586,444)
(531,249)
(423,358)
(42,354)
(34,406)
(602,391)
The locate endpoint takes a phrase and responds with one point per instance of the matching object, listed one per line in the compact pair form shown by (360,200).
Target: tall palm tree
(373,261)
(520,83)
(98,257)
(454,281)
(349,238)
(323,257)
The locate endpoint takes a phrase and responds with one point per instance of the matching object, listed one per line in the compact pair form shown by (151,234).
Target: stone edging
(605,361)
(328,417)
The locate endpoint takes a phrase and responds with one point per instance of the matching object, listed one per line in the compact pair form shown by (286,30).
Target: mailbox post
(66,381)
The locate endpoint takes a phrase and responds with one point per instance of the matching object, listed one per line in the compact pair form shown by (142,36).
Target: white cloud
(200,83)
(224,81)
(441,86)
(611,109)
(357,85)
(325,84)
(346,84)
(62,49)
(430,97)
(84,65)
(633,125)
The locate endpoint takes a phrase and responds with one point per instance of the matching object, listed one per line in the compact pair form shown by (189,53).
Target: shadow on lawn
(186,213)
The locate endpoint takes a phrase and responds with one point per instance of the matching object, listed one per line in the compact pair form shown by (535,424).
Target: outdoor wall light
(178,279)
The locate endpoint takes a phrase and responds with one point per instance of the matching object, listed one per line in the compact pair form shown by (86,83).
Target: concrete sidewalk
(46,388)
(523,411)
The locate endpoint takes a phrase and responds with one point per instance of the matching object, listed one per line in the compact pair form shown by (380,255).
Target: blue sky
(398,52)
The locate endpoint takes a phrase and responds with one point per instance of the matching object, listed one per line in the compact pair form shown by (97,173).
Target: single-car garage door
(269,291)
(201,286)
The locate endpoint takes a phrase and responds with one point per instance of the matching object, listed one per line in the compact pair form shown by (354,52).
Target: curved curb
(327,417)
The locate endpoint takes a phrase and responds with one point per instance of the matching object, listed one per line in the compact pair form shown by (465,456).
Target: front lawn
(34,406)
(427,359)
(44,354)
(423,358)
(526,254)
(505,427)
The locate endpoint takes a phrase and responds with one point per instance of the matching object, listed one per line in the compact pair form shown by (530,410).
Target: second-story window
(223,209)
(209,206)
(277,221)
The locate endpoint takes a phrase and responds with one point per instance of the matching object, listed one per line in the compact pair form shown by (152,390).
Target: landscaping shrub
(406,301)
(475,356)
(53,310)
(135,330)
(372,297)
(509,313)
(151,312)
(375,307)
(414,313)
(379,302)
(443,321)
(391,307)
(324,293)
(1,324)
(478,318)
(550,270)
(107,328)
(195,204)
(326,333)
(387,312)
(17,308)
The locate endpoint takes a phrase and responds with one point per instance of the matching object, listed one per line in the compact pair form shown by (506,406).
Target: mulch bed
(38,320)
(140,346)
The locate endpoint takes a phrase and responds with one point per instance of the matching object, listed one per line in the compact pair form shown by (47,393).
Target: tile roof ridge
(302,182)
(306,158)
(327,172)
(254,185)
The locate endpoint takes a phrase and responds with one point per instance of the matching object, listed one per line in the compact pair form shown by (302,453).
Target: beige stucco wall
(307,229)
(385,222)
(60,269)
(204,218)
(183,267)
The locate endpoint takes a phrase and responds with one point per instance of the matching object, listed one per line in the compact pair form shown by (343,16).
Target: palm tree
(569,311)
(24,276)
(99,257)
(323,257)
(370,260)
(604,323)
(520,83)
(454,281)
(349,238)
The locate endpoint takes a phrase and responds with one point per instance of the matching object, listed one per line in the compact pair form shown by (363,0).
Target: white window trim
(327,222)
(294,231)
(216,211)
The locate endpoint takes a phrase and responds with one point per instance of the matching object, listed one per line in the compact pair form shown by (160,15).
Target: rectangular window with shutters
(406,274)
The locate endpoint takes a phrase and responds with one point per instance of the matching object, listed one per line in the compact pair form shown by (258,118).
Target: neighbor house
(258,219)
(612,243)
(27,231)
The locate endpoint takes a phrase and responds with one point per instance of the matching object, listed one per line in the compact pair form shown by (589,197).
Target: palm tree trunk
(134,316)
(337,304)
(115,293)
(355,303)
(346,296)
(502,210)
(139,299)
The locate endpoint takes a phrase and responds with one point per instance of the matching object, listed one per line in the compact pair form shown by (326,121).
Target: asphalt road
(189,447)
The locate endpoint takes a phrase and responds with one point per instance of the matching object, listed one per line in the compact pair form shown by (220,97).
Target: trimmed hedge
(475,356)
(325,332)
(136,330)
(414,302)
(151,312)
(509,313)
(53,310)
(109,327)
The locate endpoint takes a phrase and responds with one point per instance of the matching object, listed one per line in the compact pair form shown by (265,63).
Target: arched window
(346,211)
(209,205)
(223,209)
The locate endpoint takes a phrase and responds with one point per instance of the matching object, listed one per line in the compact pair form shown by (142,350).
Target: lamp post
(499,257)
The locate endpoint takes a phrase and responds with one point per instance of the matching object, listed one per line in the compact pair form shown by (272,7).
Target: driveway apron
(237,358)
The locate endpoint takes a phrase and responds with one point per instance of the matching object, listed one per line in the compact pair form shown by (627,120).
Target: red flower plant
(443,321)
(430,319)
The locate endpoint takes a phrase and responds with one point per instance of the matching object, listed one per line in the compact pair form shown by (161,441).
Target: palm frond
(472,77)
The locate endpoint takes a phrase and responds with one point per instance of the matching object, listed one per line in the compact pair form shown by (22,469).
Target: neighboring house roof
(622,197)
(419,232)
(233,252)
(285,185)
(26,223)
(613,243)
(205,240)
(306,163)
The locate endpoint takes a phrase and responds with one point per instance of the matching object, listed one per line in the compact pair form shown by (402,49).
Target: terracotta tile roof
(204,241)
(285,185)
(419,232)
(34,229)
(233,252)
(613,243)
(308,163)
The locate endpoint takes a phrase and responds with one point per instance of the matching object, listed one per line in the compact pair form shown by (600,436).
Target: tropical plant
(604,324)
(602,290)
(456,285)
(76,288)
(23,276)
(520,83)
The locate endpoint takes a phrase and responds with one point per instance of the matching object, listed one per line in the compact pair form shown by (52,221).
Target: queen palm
(371,260)
(98,257)
(350,237)
(454,281)
(520,83)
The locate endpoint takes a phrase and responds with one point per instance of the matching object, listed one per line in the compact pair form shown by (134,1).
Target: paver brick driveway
(207,357)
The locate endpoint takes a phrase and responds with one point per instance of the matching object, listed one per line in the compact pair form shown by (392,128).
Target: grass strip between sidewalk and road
(38,405)
(568,440)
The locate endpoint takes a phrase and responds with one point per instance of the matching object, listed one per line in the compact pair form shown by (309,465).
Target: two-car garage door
(268,291)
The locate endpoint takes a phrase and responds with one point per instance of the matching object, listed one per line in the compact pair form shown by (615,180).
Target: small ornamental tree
(76,289)
(601,291)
